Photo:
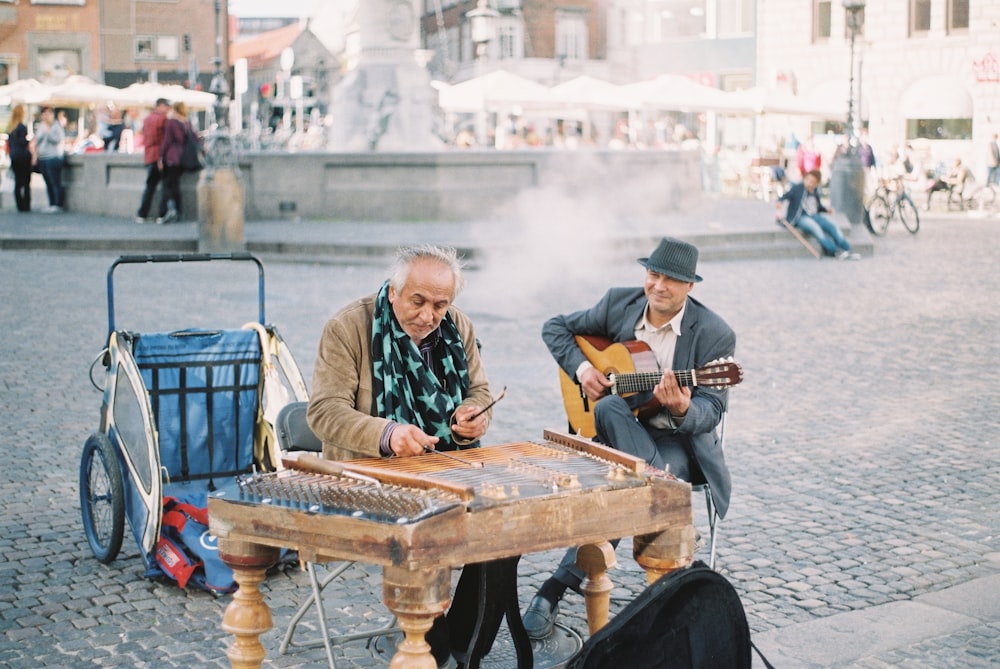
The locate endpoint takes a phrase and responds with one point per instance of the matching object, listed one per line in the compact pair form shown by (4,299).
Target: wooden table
(425,515)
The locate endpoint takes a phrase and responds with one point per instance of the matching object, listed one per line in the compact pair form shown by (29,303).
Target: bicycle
(887,203)
(983,199)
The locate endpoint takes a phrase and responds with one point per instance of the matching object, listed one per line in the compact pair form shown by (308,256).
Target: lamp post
(482,22)
(847,181)
(853,9)
(220,193)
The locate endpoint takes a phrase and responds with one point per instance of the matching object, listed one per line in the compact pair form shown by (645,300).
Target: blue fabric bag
(187,552)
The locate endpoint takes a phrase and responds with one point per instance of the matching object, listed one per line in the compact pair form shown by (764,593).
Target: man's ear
(392,294)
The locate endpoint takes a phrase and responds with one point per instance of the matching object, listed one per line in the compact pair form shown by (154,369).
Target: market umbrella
(146,94)
(493,91)
(81,90)
(27,91)
(591,93)
(760,100)
(677,93)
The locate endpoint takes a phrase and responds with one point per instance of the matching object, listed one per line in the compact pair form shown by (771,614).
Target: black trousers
(153,176)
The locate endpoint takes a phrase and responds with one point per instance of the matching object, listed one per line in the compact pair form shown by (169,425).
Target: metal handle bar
(184,257)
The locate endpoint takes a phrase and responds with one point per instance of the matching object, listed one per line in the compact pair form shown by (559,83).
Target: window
(939,128)
(821,20)
(571,34)
(167,47)
(920,16)
(958,15)
(510,38)
(736,17)
(152,47)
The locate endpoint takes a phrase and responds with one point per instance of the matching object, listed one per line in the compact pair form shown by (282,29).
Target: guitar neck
(637,382)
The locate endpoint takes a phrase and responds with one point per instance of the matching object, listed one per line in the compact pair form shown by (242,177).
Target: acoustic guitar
(631,366)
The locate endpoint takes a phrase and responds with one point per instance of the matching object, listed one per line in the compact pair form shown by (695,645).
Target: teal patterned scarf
(406,390)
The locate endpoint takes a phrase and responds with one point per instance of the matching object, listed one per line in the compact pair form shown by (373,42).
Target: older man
(399,372)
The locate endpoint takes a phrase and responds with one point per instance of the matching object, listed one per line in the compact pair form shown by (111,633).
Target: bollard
(220,211)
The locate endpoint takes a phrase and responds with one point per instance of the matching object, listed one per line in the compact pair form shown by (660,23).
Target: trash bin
(847,187)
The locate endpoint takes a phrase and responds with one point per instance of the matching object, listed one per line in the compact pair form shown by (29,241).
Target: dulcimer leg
(416,597)
(247,615)
(595,560)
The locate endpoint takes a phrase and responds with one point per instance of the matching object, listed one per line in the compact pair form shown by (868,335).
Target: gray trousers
(617,427)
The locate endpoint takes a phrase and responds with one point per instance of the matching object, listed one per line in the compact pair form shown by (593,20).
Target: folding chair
(293,434)
(713,513)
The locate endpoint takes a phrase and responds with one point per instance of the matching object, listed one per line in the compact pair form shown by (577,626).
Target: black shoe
(539,618)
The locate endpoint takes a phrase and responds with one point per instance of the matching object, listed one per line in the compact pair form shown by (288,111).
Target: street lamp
(854,9)
(482,26)
(847,180)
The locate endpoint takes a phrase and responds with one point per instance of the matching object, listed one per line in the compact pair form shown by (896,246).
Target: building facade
(926,72)
(49,40)
(548,41)
(117,42)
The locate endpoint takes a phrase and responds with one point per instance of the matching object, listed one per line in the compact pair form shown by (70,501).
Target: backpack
(186,551)
(190,156)
(689,619)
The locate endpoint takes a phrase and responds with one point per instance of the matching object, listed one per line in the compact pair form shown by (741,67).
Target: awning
(939,96)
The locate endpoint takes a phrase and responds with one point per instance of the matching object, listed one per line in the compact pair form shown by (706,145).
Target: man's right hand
(595,385)
(408,440)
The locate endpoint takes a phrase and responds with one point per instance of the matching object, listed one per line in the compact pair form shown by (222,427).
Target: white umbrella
(592,93)
(27,91)
(677,93)
(81,90)
(759,100)
(493,91)
(146,94)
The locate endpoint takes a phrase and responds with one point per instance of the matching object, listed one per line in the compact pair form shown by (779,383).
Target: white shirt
(663,342)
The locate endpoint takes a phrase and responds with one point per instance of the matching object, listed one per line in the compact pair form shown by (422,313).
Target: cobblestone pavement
(863,441)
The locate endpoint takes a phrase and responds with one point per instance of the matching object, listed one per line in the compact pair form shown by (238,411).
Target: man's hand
(467,427)
(595,385)
(672,396)
(408,440)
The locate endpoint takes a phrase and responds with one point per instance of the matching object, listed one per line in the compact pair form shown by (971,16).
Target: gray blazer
(704,337)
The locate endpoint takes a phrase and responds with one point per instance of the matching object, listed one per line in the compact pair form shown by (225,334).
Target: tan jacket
(342,398)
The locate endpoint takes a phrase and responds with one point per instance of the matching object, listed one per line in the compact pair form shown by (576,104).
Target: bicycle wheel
(878,215)
(102,497)
(908,214)
(984,199)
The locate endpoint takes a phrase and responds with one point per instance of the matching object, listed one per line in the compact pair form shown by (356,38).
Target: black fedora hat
(675,259)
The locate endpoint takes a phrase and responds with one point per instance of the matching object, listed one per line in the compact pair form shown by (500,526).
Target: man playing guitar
(672,423)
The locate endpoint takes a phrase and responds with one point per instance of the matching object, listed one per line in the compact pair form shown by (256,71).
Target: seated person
(805,212)
(399,372)
(681,437)
(954,182)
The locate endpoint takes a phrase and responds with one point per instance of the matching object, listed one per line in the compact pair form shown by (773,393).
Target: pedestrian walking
(152,137)
(993,161)
(177,135)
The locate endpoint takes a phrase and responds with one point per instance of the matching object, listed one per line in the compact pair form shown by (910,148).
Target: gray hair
(406,256)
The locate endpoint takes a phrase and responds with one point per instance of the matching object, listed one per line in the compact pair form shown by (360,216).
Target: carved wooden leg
(595,560)
(417,597)
(247,616)
(664,552)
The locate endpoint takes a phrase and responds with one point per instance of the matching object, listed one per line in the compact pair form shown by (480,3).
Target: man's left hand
(672,396)
(467,427)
